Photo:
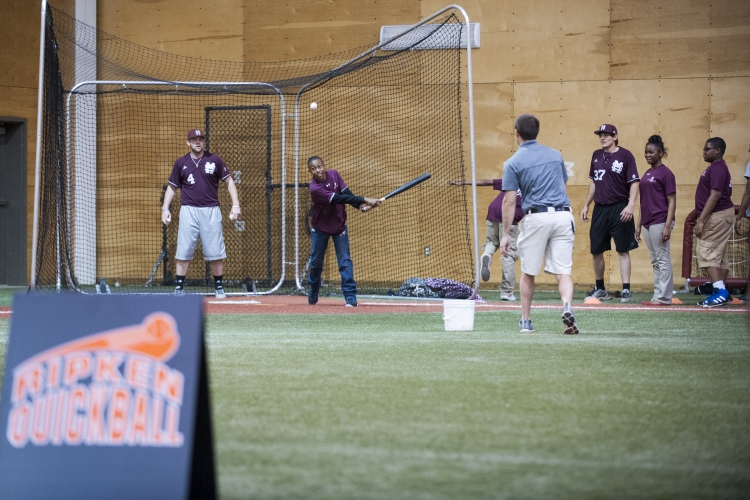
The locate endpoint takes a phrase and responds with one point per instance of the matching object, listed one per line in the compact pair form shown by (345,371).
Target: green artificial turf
(640,405)
(7,293)
(391,406)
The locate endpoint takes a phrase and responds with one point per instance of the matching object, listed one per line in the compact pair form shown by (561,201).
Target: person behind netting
(745,212)
(658,201)
(715,222)
(548,229)
(614,190)
(197,176)
(494,232)
(329,194)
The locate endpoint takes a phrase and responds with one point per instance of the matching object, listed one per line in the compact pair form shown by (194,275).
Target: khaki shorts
(711,249)
(547,237)
(203,222)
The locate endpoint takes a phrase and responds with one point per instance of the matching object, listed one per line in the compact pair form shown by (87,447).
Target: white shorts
(548,237)
(203,222)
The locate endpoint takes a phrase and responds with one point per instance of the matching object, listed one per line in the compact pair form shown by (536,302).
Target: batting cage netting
(115,119)
(737,253)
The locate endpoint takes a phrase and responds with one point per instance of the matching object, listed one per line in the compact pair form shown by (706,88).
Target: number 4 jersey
(612,174)
(198,180)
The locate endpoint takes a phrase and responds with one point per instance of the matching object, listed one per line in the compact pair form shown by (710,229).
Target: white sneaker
(510,297)
(219,292)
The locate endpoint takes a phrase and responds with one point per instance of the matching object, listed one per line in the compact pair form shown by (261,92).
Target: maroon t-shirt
(495,211)
(717,177)
(198,181)
(328,217)
(612,174)
(655,185)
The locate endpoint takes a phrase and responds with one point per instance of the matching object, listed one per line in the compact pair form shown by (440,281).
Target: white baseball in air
(313,105)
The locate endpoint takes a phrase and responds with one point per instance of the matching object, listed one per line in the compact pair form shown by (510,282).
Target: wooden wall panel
(21,24)
(493,137)
(680,38)
(209,30)
(276,31)
(730,116)
(538,40)
(570,112)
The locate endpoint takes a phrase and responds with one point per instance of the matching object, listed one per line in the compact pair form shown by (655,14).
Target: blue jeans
(346,267)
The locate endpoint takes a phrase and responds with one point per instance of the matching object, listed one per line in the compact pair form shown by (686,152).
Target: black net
(116,117)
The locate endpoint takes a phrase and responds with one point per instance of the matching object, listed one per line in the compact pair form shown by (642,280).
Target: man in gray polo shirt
(548,231)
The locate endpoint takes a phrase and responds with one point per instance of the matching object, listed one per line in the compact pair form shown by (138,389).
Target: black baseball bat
(407,186)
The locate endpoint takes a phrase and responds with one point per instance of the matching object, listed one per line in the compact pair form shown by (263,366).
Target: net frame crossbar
(176,84)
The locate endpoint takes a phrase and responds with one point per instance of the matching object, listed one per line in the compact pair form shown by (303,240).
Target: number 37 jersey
(198,182)
(612,174)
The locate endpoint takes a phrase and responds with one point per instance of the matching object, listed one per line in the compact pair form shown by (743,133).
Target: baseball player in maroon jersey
(713,202)
(197,176)
(330,194)
(614,191)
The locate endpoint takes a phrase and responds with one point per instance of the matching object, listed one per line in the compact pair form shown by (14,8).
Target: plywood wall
(680,68)
(299,29)
(208,30)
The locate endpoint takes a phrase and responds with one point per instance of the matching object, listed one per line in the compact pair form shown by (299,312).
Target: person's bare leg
(598,266)
(182,267)
(217,267)
(527,293)
(625,267)
(565,287)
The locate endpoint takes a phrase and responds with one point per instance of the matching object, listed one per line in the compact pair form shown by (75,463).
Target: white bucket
(458,315)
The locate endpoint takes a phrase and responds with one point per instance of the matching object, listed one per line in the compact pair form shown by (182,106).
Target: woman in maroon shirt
(658,201)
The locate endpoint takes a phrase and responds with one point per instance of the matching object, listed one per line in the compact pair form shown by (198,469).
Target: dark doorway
(13,179)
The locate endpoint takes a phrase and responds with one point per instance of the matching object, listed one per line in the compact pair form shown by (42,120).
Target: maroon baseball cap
(195,133)
(607,129)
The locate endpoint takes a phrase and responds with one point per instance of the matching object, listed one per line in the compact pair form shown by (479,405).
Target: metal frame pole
(38,169)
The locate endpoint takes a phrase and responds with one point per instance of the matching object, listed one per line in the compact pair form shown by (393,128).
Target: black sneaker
(312,296)
(351,301)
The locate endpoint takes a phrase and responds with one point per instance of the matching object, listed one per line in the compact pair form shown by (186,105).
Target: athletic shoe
(720,297)
(485,267)
(525,325)
(510,297)
(219,292)
(569,320)
(600,294)
(351,301)
(625,296)
(312,298)
(654,303)
(179,291)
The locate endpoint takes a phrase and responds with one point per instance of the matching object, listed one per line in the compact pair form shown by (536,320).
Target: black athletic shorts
(606,224)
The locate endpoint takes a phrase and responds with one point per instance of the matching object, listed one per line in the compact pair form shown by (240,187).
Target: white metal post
(38,169)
